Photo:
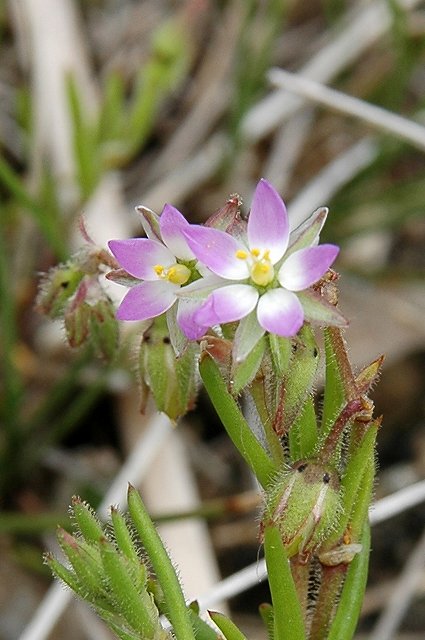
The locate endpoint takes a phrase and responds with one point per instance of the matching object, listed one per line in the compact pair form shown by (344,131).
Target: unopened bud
(171,380)
(57,287)
(305,505)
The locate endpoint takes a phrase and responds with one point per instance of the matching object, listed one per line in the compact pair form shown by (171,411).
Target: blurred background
(107,104)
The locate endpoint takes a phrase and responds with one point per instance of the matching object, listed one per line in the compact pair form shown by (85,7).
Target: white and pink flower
(264,277)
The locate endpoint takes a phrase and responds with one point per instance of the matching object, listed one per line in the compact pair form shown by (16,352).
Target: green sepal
(104,330)
(303,434)
(334,396)
(171,380)
(281,351)
(86,520)
(287,615)
(226,626)
(136,606)
(243,373)
(301,376)
(173,596)
(235,424)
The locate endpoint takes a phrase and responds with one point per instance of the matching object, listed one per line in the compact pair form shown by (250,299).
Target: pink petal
(306,266)
(227,304)
(172,224)
(217,250)
(280,312)
(138,256)
(147,300)
(268,225)
(186,311)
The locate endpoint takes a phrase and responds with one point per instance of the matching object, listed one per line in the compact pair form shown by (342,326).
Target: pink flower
(163,268)
(264,279)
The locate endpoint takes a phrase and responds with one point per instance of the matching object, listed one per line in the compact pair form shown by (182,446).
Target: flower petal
(172,223)
(227,304)
(280,312)
(139,255)
(147,300)
(186,319)
(268,225)
(306,266)
(217,250)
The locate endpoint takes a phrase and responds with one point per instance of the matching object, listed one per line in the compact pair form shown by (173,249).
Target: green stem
(288,618)
(163,567)
(349,607)
(234,422)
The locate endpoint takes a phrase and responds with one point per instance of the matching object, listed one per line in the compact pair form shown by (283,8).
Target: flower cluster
(263,279)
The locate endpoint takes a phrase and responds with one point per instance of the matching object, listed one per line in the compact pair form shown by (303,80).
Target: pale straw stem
(380,118)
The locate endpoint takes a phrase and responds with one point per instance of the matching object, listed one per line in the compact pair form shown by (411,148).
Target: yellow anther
(241,254)
(266,255)
(255,252)
(159,269)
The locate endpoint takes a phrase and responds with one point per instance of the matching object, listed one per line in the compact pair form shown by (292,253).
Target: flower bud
(305,505)
(57,287)
(172,381)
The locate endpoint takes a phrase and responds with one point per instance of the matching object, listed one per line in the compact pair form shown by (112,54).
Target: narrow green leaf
(267,616)
(288,619)
(235,424)
(226,626)
(87,522)
(202,630)
(64,574)
(123,536)
(87,569)
(85,146)
(163,567)
(136,606)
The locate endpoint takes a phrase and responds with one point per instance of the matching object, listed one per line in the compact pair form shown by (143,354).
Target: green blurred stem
(288,618)
(234,422)
(163,567)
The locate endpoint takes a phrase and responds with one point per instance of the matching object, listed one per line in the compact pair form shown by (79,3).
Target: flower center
(260,266)
(176,273)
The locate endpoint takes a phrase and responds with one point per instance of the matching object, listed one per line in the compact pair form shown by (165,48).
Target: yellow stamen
(241,254)
(255,252)
(159,269)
